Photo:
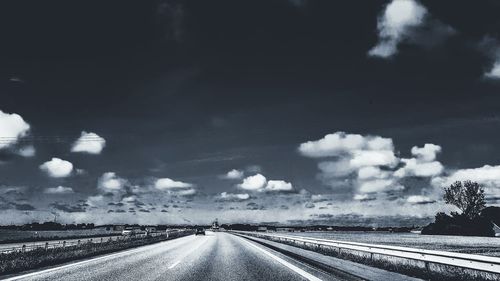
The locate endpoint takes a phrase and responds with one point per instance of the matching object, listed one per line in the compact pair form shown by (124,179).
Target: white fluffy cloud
(419,199)
(373,158)
(234,196)
(494,72)
(369,163)
(488,176)
(12,128)
(59,190)
(353,153)
(57,168)
(186,192)
(339,143)
(89,143)
(234,175)
(423,165)
(278,185)
(426,153)
(255,182)
(111,182)
(420,169)
(168,184)
(407,21)
(259,183)
(394,25)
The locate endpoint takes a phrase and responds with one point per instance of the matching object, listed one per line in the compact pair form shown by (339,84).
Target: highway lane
(217,256)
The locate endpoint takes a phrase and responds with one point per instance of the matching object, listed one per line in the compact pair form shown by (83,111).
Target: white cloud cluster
(234,196)
(58,190)
(407,20)
(89,143)
(175,187)
(419,199)
(12,128)
(110,182)
(167,183)
(488,176)
(234,174)
(355,154)
(424,164)
(259,183)
(57,168)
(394,25)
(369,163)
(340,143)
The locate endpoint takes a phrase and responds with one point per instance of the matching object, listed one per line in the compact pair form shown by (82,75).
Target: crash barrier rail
(469,261)
(29,246)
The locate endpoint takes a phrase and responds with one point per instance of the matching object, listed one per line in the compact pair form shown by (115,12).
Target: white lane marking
(33,274)
(188,253)
(174,264)
(301,272)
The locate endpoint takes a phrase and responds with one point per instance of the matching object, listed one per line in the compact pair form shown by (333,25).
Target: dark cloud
(22,206)
(65,207)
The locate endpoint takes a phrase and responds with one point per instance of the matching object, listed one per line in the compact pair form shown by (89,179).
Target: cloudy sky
(288,111)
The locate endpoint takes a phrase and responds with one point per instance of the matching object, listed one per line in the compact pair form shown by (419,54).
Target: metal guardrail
(469,261)
(29,246)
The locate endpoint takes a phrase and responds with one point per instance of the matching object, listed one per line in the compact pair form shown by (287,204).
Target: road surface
(216,256)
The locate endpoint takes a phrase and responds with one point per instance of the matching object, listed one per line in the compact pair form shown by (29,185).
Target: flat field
(7,235)
(489,246)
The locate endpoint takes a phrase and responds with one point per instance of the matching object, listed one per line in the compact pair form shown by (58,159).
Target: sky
(278,111)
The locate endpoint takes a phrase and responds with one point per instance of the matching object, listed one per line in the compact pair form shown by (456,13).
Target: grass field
(7,235)
(489,246)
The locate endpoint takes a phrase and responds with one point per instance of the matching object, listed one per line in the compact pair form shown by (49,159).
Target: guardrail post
(101,240)
(46,245)
(23,249)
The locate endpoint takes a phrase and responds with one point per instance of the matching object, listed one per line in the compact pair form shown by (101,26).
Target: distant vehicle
(200,231)
(128,231)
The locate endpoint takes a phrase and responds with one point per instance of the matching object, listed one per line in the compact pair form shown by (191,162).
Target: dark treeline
(238,226)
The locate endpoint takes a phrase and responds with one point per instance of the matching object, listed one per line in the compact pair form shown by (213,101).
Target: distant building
(262,229)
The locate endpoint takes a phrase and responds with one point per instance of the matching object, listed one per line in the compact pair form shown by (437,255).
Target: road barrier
(467,261)
(29,246)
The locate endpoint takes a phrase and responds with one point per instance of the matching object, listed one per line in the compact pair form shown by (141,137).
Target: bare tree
(468,197)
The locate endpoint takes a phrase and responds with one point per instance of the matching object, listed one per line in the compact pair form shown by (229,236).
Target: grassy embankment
(419,269)
(21,261)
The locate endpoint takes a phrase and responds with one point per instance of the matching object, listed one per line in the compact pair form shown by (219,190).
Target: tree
(468,197)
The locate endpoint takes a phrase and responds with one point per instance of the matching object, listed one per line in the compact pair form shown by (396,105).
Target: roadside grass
(404,266)
(51,238)
(16,262)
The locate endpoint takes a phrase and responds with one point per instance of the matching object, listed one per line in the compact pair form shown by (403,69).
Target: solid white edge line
(84,262)
(302,272)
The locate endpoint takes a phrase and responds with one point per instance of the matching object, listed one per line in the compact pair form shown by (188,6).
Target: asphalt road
(216,256)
